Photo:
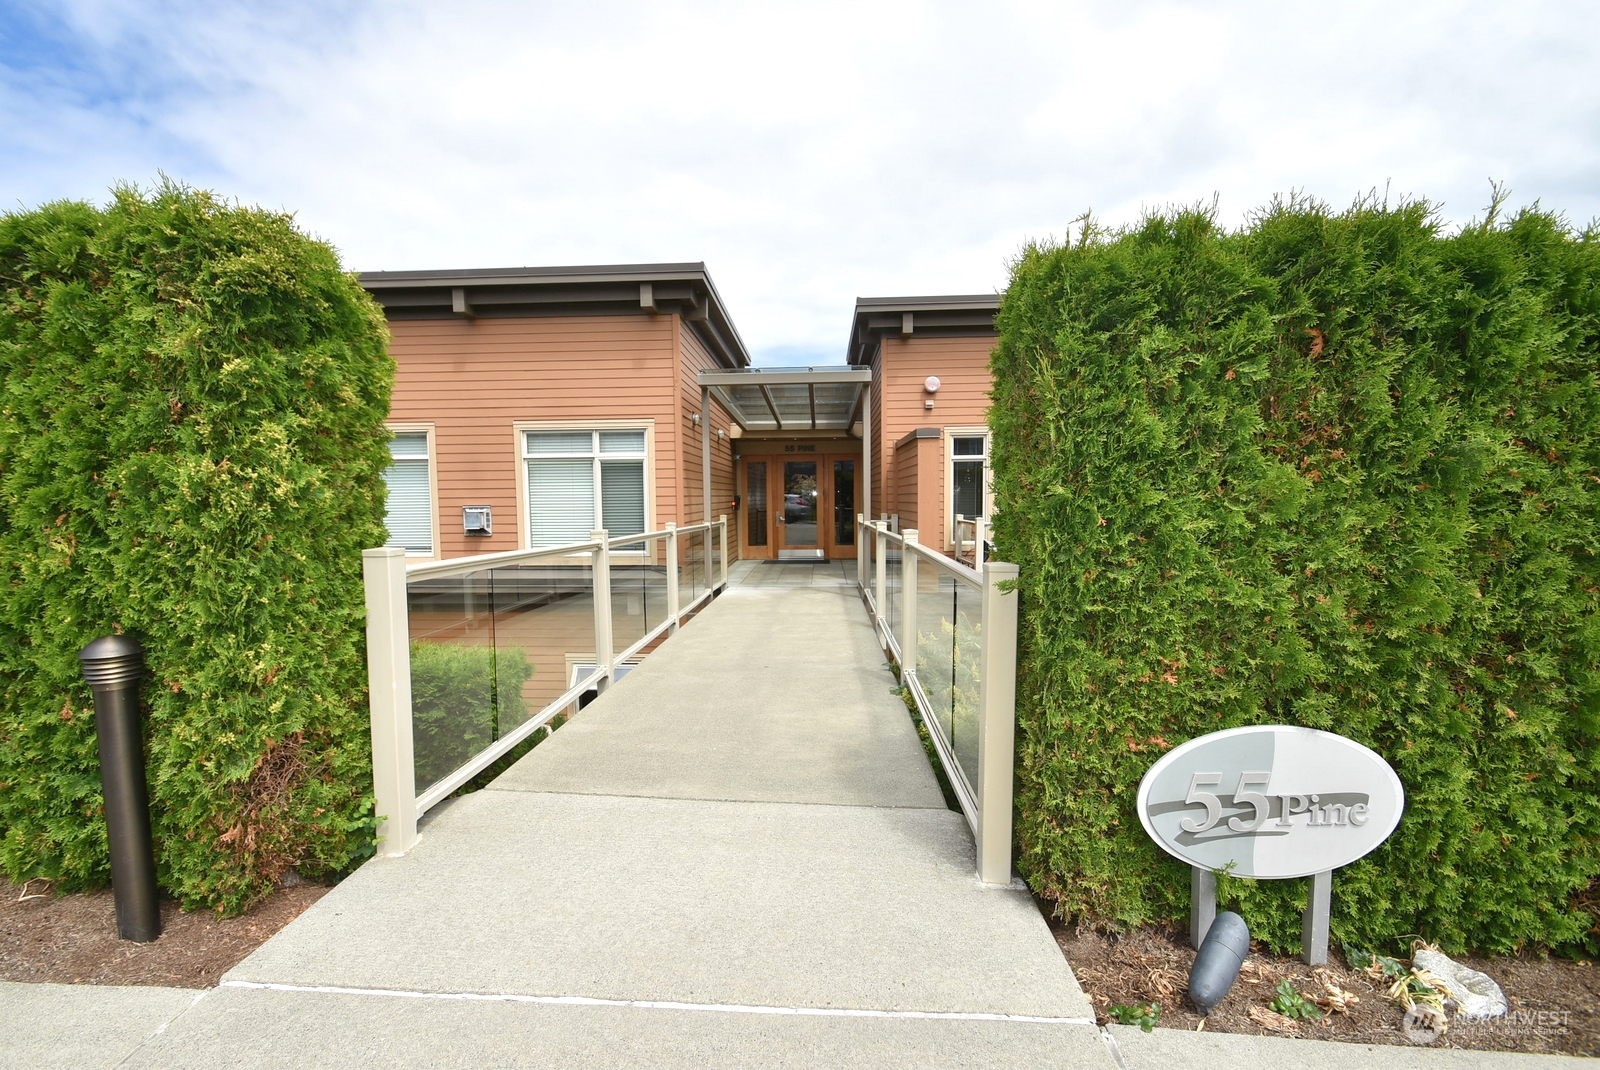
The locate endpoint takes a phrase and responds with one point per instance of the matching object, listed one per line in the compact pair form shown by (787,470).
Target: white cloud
(809,153)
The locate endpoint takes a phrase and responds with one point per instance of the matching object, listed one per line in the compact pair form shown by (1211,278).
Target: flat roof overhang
(685,289)
(791,399)
(903,317)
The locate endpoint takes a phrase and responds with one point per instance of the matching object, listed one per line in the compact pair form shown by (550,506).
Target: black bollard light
(112,666)
(1216,964)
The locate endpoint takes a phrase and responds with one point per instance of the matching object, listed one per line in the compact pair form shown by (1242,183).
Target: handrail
(388,577)
(983,791)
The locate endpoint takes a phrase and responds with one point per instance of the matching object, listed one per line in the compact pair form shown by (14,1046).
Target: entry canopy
(791,399)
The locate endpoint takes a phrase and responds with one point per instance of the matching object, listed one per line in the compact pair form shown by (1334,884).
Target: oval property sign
(1275,801)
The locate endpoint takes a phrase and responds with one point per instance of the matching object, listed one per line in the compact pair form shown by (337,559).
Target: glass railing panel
(638,590)
(936,637)
(545,614)
(691,567)
(890,610)
(966,693)
(452,672)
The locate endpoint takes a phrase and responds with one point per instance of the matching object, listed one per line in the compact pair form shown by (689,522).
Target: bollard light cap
(111,660)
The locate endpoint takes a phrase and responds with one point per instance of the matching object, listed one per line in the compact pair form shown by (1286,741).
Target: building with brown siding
(929,358)
(561,400)
(534,405)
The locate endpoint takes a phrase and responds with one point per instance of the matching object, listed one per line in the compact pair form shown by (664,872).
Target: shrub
(192,446)
(1332,470)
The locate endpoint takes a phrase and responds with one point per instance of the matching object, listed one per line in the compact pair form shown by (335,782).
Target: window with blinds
(968,476)
(580,480)
(409,516)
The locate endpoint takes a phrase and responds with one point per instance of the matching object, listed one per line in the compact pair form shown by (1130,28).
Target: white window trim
(648,426)
(950,458)
(427,429)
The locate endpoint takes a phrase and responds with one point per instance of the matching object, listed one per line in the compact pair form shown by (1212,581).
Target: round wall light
(931,384)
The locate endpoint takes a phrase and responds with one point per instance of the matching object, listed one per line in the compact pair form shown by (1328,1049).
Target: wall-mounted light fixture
(931,385)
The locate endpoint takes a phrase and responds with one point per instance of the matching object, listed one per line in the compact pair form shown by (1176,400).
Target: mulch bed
(1554,1003)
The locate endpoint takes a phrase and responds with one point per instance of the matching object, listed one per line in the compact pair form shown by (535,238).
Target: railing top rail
(960,571)
(458,566)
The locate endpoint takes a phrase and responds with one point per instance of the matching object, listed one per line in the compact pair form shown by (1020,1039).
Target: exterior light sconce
(931,385)
(694,418)
(721,434)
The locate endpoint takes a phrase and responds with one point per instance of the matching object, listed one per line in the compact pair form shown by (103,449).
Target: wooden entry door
(803,510)
(799,521)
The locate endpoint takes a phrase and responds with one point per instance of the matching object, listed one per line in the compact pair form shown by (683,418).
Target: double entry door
(800,510)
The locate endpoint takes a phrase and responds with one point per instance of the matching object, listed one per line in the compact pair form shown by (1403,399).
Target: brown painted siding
(474,380)
(696,359)
(900,367)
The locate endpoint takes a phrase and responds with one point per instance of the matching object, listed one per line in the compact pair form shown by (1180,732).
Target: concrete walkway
(737,857)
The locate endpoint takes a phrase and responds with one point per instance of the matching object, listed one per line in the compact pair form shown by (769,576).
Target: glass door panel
(798,524)
(755,503)
(844,503)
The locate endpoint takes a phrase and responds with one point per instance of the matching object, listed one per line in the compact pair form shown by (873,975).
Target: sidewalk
(737,857)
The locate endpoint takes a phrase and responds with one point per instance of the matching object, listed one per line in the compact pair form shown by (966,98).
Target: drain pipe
(112,666)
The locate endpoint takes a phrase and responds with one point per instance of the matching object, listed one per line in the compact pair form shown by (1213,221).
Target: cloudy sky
(808,153)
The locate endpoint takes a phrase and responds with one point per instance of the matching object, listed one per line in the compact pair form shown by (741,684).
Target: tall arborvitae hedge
(191,451)
(1333,470)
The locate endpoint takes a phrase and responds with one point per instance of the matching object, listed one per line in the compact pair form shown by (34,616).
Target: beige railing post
(672,576)
(604,653)
(908,607)
(863,554)
(997,723)
(394,772)
(979,525)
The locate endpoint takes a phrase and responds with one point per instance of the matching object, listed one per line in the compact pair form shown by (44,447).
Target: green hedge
(192,446)
(1339,470)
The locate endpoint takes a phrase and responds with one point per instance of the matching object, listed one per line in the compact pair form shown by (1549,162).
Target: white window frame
(426,429)
(950,459)
(521,428)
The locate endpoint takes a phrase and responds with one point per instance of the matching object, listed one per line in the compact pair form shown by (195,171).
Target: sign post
(1272,802)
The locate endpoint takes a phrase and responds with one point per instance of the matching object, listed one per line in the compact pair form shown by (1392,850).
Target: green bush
(1332,470)
(192,449)
(463,698)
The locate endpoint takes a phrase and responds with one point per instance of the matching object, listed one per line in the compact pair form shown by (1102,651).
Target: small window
(409,514)
(967,477)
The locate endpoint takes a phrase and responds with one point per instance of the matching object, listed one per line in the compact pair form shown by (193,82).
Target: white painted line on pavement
(663,1005)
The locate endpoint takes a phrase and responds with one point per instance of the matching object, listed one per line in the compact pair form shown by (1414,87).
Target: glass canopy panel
(751,407)
(793,402)
(814,399)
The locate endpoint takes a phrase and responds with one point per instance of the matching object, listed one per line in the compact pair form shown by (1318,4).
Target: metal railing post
(672,576)
(908,607)
(997,723)
(604,652)
(394,771)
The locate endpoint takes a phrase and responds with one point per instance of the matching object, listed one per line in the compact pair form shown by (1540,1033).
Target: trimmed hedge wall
(1332,470)
(192,449)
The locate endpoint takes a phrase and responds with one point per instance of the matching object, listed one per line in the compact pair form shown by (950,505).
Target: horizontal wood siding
(695,359)
(899,370)
(474,380)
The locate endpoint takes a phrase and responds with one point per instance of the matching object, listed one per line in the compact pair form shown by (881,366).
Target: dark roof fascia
(876,317)
(686,289)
